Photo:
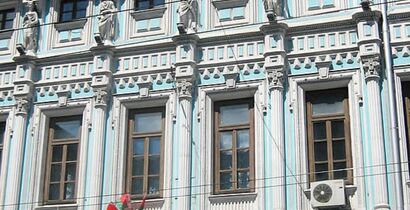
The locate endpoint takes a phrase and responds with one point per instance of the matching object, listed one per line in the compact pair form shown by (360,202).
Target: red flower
(111,206)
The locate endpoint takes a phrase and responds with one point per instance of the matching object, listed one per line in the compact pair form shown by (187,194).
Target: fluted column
(371,66)
(275,56)
(184,138)
(15,168)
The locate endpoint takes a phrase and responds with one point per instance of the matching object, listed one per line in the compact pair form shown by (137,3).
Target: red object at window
(142,203)
(125,199)
(111,206)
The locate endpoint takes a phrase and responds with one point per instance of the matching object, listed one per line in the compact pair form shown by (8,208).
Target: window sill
(232,198)
(349,189)
(222,4)
(149,203)
(155,12)
(75,24)
(58,207)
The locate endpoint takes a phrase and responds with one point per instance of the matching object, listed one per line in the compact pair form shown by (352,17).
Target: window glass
(234,114)
(7,18)
(148,122)
(328,104)
(67,129)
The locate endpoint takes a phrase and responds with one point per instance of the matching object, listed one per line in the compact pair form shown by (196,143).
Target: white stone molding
(297,88)
(206,98)
(323,66)
(122,104)
(41,116)
(144,85)
(184,89)
(371,66)
(7,116)
(231,76)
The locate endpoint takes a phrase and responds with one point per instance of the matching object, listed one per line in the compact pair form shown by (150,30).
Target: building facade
(204,104)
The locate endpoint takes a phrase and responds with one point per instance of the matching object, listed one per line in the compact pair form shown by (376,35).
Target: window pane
(154,165)
(243,158)
(82,5)
(55,173)
(67,129)
(70,172)
(155,145)
(80,14)
(318,169)
(339,151)
(320,151)
(138,147)
(319,131)
(137,185)
(138,166)
(226,140)
(142,5)
(242,138)
(68,6)
(69,190)
(10,15)
(225,160)
(148,122)
(8,24)
(2,130)
(338,129)
(243,179)
(66,17)
(72,152)
(153,185)
(234,114)
(340,174)
(57,153)
(226,183)
(54,192)
(158,2)
(328,104)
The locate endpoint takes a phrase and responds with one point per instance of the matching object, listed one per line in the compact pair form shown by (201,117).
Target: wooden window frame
(73,12)
(328,118)
(4,13)
(234,128)
(132,135)
(65,143)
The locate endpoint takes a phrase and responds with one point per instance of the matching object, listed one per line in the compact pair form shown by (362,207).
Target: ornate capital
(371,66)
(184,89)
(22,106)
(100,97)
(275,79)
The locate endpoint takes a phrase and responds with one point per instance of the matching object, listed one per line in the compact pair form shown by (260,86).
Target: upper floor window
(148,4)
(2,131)
(73,9)
(320,4)
(7,18)
(406,101)
(329,135)
(145,153)
(234,147)
(62,160)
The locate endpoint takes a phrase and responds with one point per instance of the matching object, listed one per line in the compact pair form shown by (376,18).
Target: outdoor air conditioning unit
(327,194)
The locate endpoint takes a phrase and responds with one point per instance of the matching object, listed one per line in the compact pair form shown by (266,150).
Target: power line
(198,194)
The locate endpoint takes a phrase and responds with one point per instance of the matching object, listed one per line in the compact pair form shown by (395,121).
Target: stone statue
(30,24)
(106,22)
(187,11)
(273,8)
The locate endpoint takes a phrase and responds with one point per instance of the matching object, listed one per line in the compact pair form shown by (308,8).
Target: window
(73,9)
(7,18)
(148,4)
(145,153)
(2,131)
(406,101)
(234,147)
(320,4)
(329,135)
(62,160)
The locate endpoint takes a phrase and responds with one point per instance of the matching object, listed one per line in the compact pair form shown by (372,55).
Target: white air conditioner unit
(326,194)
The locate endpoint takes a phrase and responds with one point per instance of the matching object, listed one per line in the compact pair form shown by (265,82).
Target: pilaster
(23,92)
(101,86)
(369,51)
(185,79)
(275,57)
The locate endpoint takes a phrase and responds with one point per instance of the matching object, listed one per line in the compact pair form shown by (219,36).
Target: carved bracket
(144,86)
(63,92)
(275,78)
(231,75)
(323,66)
(22,105)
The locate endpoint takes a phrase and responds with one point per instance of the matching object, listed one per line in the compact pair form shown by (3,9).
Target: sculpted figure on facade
(30,24)
(187,11)
(106,22)
(273,8)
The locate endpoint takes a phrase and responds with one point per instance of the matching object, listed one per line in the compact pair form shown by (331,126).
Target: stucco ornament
(371,67)
(184,89)
(100,97)
(273,8)
(30,24)
(22,105)
(187,11)
(106,22)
